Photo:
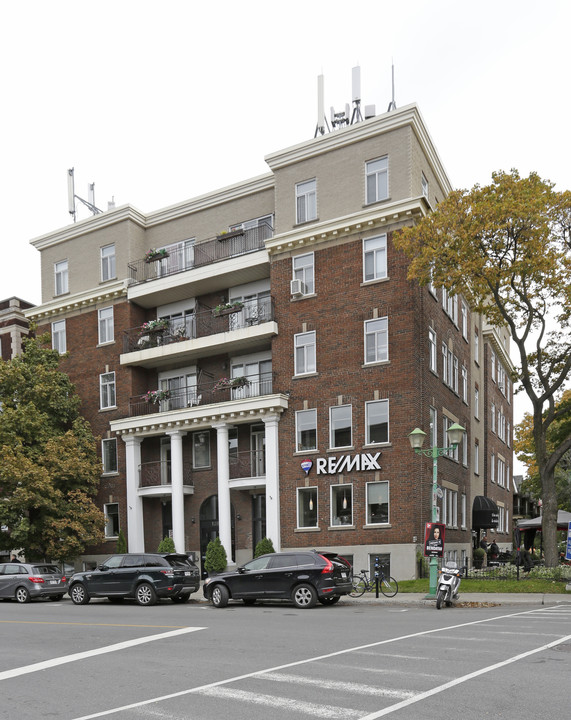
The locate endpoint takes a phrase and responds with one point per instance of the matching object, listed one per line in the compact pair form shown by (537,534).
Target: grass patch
(528,584)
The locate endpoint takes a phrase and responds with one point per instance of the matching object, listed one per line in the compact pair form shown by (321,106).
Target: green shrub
(166,546)
(121,542)
(263,547)
(215,560)
(479,555)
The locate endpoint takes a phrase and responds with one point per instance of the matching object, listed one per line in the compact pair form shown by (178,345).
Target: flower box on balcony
(230,234)
(237,382)
(228,308)
(156,396)
(153,255)
(154,326)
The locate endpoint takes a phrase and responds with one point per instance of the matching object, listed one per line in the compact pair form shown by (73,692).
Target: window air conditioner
(295,287)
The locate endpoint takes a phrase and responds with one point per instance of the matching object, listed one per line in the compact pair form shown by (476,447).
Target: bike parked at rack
(362,583)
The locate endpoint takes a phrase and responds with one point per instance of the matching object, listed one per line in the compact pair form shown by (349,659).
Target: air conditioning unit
(296,287)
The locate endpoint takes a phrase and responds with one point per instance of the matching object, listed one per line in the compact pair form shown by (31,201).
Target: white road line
(297,707)
(297,663)
(338,685)
(463,679)
(54,662)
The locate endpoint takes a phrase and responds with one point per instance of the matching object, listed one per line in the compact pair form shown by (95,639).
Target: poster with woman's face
(434,540)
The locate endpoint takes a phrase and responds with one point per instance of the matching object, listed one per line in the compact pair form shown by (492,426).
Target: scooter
(448,584)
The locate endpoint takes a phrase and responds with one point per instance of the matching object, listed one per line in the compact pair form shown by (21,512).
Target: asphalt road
(351,660)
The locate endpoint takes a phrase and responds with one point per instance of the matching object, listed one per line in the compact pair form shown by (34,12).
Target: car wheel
(304,596)
(22,595)
(79,594)
(55,598)
(220,596)
(249,601)
(329,600)
(181,598)
(145,594)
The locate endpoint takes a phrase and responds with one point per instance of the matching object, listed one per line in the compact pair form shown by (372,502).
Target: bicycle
(362,583)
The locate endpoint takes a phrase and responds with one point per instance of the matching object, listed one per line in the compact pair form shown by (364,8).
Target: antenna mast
(72,197)
(392,104)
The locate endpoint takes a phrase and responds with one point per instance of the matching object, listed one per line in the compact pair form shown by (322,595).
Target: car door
(281,575)
(9,576)
(127,574)
(104,581)
(250,581)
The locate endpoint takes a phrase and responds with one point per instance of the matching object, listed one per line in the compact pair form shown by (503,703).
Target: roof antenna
(392,104)
(356,87)
(321,119)
(72,197)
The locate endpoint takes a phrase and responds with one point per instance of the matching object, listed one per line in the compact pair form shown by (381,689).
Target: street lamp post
(416,438)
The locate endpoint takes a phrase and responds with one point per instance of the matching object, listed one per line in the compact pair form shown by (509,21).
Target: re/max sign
(347,463)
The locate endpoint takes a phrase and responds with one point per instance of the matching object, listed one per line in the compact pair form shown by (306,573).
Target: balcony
(209,393)
(189,270)
(155,479)
(160,342)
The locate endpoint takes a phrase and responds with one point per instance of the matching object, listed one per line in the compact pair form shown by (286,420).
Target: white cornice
(79,301)
(492,336)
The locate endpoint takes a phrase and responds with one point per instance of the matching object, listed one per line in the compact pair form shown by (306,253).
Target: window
(340,426)
(432,361)
(464,312)
(424,183)
(306,430)
(307,507)
(493,468)
(444,363)
(305,353)
(450,508)
(433,436)
(111,512)
(58,336)
(342,504)
(259,376)
(476,402)
(181,389)
(106,330)
(61,277)
(476,458)
(452,451)
(304,270)
(501,473)
(377,419)
(465,384)
(108,271)
(377,179)
(493,365)
(463,511)
(200,450)
(306,201)
(476,347)
(377,503)
(375,258)
(493,416)
(465,449)
(109,455)
(376,340)
(107,390)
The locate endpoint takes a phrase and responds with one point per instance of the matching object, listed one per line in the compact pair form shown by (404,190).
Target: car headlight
(207,581)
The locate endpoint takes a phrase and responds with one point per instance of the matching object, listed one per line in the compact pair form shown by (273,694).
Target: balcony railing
(153,474)
(203,323)
(248,464)
(185,257)
(204,394)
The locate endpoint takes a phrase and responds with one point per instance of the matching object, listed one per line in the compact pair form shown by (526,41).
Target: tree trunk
(549,517)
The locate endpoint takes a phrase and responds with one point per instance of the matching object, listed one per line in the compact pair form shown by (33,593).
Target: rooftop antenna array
(392,104)
(343,117)
(72,197)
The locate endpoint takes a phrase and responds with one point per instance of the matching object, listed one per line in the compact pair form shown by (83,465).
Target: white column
(224,507)
(273,527)
(135,526)
(177,497)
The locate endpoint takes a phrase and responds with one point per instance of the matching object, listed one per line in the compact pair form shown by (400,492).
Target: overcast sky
(157,102)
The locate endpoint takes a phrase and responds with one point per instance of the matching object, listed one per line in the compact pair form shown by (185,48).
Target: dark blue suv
(144,577)
(303,577)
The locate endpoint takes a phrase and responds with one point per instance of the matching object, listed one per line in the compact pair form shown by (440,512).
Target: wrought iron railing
(203,323)
(248,464)
(185,257)
(153,474)
(202,394)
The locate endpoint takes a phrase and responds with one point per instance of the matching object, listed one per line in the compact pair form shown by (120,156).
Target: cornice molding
(79,301)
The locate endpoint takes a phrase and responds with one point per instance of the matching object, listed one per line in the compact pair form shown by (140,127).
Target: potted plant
(155,254)
(227,234)
(236,382)
(228,308)
(155,396)
(153,326)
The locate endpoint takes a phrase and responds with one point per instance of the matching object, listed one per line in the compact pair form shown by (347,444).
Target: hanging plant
(155,396)
(154,254)
(154,326)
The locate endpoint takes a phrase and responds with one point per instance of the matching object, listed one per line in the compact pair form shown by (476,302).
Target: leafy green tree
(506,248)
(263,547)
(121,542)
(525,451)
(166,545)
(49,470)
(215,560)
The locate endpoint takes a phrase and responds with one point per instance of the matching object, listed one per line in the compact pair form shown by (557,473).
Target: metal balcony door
(258,448)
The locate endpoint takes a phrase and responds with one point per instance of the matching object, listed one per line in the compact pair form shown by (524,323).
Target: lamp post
(416,438)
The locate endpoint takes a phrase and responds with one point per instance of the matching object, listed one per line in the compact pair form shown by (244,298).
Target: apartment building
(254,359)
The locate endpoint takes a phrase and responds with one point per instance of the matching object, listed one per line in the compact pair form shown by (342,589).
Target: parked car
(303,577)
(25,581)
(144,577)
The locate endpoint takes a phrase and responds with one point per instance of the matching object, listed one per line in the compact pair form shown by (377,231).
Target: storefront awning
(484,513)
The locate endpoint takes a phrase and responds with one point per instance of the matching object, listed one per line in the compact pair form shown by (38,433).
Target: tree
(49,470)
(215,559)
(166,545)
(121,543)
(506,248)
(263,547)
(525,450)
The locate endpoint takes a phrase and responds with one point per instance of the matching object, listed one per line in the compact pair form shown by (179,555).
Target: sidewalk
(465,599)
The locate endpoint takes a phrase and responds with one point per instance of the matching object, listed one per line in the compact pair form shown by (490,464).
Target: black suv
(142,576)
(304,577)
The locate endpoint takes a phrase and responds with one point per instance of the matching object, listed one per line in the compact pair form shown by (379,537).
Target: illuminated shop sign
(347,463)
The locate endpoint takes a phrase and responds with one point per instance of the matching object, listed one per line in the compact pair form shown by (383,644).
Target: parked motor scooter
(448,584)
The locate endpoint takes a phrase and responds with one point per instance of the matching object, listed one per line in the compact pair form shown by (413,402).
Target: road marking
(463,679)
(297,663)
(51,622)
(54,662)
(338,685)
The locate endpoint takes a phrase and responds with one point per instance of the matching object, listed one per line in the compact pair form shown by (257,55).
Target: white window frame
(105,318)
(371,408)
(377,180)
(306,201)
(197,438)
(305,421)
(476,403)
(433,432)
(432,351)
(375,258)
(476,458)
(305,353)
(312,492)
(59,338)
(105,456)
(369,487)
(61,277)
(464,374)
(303,269)
(109,534)
(424,185)
(108,264)
(376,340)
(341,411)
(107,391)
(465,449)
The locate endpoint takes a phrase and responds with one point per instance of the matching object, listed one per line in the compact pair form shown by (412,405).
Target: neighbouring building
(254,359)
